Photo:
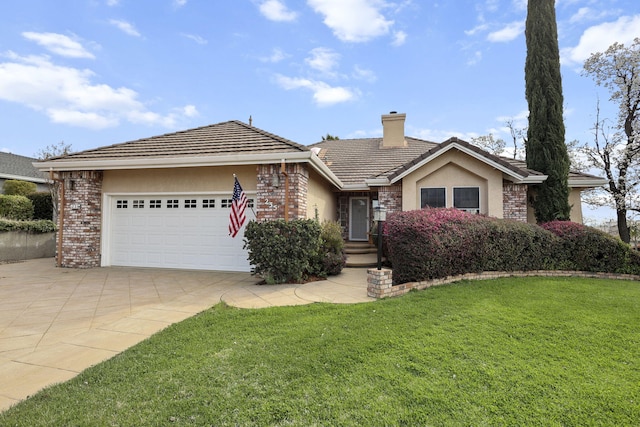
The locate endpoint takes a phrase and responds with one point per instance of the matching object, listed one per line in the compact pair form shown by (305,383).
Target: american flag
(238,205)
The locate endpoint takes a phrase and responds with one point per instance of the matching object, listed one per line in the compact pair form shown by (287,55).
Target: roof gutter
(190,162)
(587,182)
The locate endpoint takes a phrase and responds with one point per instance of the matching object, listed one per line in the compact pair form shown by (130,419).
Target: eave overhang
(191,162)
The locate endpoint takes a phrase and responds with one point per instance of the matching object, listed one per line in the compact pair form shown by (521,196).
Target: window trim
(423,205)
(470,209)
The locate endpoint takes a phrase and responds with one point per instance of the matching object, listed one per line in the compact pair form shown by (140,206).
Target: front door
(359,218)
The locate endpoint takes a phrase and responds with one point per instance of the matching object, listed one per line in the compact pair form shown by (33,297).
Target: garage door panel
(154,235)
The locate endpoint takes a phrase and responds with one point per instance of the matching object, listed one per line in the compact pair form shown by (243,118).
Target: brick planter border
(379,282)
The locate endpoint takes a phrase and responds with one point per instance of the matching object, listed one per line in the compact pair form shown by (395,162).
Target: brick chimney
(393,130)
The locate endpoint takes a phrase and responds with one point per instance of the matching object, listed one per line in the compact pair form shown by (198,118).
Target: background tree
(517,135)
(616,149)
(490,144)
(330,137)
(49,152)
(545,146)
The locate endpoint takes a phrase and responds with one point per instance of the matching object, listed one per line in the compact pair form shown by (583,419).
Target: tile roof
(231,137)
(354,160)
(19,166)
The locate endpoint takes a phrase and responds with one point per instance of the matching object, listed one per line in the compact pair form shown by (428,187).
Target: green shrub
(518,246)
(42,205)
(14,187)
(283,251)
(39,226)
(331,258)
(436,243)
(588,249)
(16,207)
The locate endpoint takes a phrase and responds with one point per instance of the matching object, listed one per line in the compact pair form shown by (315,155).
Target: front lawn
(529,351)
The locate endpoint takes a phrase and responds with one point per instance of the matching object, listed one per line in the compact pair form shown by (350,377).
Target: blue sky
(99,72)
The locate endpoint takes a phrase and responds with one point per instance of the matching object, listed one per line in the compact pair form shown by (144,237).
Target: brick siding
(82,219)
(270,203)
(514,201)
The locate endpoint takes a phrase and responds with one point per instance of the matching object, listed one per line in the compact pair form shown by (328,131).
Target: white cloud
(179,3)
(323,59)
(276,10)
(599,37)
(277,55)
(364,74)
(353,20)
(195,38)
(112,2)
(508,33)
(125,27)
(584,13)
(323,94)
(59,44)
(69,96)
(399,38)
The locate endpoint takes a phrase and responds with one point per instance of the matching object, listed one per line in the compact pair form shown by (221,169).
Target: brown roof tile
(354,160)
(232,137)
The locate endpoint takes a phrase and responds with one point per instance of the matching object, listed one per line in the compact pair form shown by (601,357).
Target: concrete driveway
(56,322)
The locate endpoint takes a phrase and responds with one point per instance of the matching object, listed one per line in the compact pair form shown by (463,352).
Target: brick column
(514,201)
(379,282)
(270,203)
(82,219)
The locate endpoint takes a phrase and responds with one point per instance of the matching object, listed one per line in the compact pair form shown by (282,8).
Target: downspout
(283,170)
(60,216)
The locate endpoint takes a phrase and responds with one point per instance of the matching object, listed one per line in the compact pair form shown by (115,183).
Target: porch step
(359,248)
(361,254)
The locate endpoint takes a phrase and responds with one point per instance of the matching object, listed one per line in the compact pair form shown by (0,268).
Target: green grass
(530,351)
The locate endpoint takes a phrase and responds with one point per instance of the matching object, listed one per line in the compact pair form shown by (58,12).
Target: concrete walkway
(56,322)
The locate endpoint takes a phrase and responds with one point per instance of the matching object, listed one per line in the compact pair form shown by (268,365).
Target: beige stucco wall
(455,169)
(201,179)
(320,196)
(574,201)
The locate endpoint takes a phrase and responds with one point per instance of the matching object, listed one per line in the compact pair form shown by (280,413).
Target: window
(138,204)
(226,203)
(155,204)
(467,198)
(209,203)
(250,203)
(190,203)
(172,203)
(121,204)
(432,198)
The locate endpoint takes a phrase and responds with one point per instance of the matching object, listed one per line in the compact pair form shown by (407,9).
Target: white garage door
(188,232)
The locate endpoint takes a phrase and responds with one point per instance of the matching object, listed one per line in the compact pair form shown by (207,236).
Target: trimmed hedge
(40,226)
(16,207)
(42,205)
(436,243)
(14,187)
(588,249)
(291,251)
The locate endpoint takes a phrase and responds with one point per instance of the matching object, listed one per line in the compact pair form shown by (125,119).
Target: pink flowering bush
(434,243)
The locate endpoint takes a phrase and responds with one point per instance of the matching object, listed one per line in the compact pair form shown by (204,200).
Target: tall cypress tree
(545,146)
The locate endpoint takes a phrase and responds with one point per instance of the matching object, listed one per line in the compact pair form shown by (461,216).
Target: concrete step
(362,260)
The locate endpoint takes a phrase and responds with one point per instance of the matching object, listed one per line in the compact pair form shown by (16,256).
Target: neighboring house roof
(21,168)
